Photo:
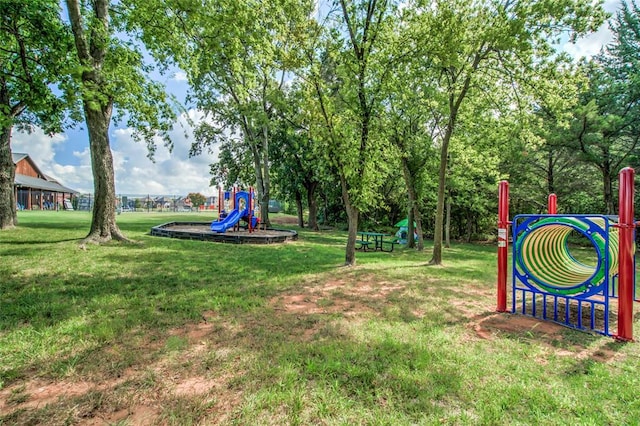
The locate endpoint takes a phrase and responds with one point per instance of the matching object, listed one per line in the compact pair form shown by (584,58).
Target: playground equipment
(230,214)
(549,283)
(403,233)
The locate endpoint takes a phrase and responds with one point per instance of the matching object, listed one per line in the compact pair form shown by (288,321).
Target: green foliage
(234,166)
(469,48)
(197,199)
(139,100)
(349,65)
(299,161)
(115,77)
(606,124)
(36,65)
(345,98)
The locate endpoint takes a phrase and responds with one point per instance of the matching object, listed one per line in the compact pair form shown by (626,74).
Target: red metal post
(235,205)
(503,242)
(626,273)
(250,209)
(235,191)
(552,205)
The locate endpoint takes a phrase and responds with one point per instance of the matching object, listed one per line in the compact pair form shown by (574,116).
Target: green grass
(186,332)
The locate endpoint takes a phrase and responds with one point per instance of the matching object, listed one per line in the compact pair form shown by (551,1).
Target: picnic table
(374,241)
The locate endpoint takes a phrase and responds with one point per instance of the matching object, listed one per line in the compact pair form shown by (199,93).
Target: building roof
(48,184)
(17,157)
(35,183)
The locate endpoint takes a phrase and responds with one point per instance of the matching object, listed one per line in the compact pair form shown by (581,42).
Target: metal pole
(626,268)
(552,205)
(503,242)
(250,209)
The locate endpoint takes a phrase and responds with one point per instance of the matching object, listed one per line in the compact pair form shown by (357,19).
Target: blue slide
(232,218)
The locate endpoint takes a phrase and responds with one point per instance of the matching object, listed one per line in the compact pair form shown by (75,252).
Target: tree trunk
(469,226)
(447,226)
(299,209)
(608,190)
(418,218)
(261,168)
(8,215)
(352,217)
(551,187)
(313,206)
(454,107)
(442,177)
(411,241)
(325,209)
(262,187)
(413,206)
(266,182)
(103,223)
(411,193)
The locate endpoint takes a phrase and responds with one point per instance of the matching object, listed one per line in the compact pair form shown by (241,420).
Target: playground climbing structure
(234,206)
(551,281)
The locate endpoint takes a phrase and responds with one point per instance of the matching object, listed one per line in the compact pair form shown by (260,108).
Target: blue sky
(66,156)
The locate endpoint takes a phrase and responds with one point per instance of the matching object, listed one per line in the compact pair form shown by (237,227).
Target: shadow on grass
(54,226)
(370,372)
(43,241)
(111,290)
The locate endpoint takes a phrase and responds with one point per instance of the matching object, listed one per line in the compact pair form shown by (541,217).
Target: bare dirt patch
(348,297)
(39,393)
(283,220)
(123,400)
(181,375)
(139,415)
(318,304)
(489,326)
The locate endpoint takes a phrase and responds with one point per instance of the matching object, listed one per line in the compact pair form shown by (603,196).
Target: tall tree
(297,157)
(607,124)
(411,130)
(346,78)
(503,40)
(34,52)
(112,76)
(236,56)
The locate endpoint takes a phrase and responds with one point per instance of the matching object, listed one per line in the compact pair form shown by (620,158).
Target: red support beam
(626,272)
(552,205)
(503,243)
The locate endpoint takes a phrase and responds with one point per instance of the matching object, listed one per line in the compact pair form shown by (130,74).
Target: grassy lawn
(186,332)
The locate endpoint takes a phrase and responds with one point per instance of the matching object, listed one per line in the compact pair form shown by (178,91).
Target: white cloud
(172,173)
(180,76)
(590,45)
(40,147)
(78,177)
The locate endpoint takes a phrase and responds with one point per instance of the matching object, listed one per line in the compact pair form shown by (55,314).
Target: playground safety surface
(202,231)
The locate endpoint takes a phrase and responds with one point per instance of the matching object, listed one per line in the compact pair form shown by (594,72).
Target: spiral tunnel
(544,262)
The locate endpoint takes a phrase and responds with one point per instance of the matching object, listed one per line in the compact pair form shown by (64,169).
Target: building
(36,191)
(183,204)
